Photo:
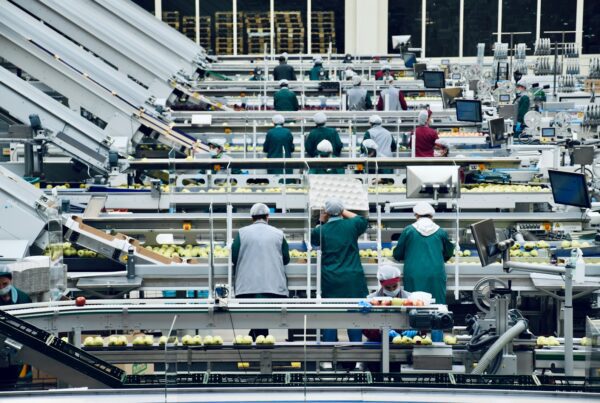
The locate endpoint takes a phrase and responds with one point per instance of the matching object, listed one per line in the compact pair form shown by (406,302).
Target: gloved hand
(409,333)
(393,333)
(365,307)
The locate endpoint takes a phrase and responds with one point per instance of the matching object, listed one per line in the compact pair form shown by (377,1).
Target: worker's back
(357,99)
(260,267)
(279,139)
(285,100)
(391,99)
(425,141)
(319,134)
(284,72)
(384,140)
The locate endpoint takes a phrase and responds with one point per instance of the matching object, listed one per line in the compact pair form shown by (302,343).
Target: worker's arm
(400,248)
(235,250)
(266,143)
(293,74)
(403,103)
(285,252)
(379,106)
(523,108)
(448,247)
(368,102)
(338,145)
(275,101)
(315,236)
(360,223)
(366,136)
(291,142)
(295,102)
(394,146)
(309,147)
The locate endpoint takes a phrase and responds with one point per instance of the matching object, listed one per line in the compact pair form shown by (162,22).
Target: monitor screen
(496,131)
(434,79)
(456,76)
(484,235)
(569,188)
(468,110)
(548,132)
(504,98)
(419,69)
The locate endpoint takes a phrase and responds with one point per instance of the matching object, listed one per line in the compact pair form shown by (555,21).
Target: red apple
(419,303)
(375,302)
(386,302)
(408,302)
(80,301)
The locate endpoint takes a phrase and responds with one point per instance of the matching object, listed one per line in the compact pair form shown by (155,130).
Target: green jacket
(278,139)
(17,297)
(315,73)
(522,107)
(285,100)
(424,261)
(342,274)
(318,134)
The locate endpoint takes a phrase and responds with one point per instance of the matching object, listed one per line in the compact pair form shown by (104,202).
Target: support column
(309,26)
(158,9)
(461,28)
(366,27)
(579,25)
(197,20)
(499,30)
(272,22)
(538,21)
(423,27)
(235,27)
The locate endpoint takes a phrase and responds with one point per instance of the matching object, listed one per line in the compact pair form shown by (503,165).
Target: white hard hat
(375,119)
(388,272)
(219,142)
(334,207)
(320,118)
(370,144)
(325,146)
(356,80)
(278,119)
(259,209)
(422,118)
(284,83)
(423,208)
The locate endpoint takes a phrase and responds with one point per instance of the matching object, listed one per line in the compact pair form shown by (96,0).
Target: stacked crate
(258,31)
(224,33)
(323,31)
(188,28)
(289,32)
(172,18)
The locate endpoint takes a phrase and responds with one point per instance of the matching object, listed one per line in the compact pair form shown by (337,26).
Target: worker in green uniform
(217,152)
(342,274)
(10,295)
(285,99)
(318,73)
(279,143)
(522,100)
(324,150)
(257,74)
(424,247)
(320,133)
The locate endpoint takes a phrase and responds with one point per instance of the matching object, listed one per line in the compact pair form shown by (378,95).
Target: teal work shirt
(285,100)
(523,103)
(319,134)
(16,297)
(424,261)
(342,274)
(315,73)
(277,140)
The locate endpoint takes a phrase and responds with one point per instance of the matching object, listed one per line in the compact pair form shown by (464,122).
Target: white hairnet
(356,80)
(283,83)
(217,142)
(370,144)
(387,271)
(278,119)
(375,119)
(259,209)
(423,208)
(522,83)
(349,74)
(318,59)
(388,80)
(325,146)
(320,118)
(334,207)
(422,118)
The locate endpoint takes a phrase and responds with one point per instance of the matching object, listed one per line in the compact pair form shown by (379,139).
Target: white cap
(320,118)
(388,80)
(284,83)
(217,142)
(325,146)
(278,119)
(386,67)
(375,119)
(387,272)
(259,209)
(423,208)
(318,59)
(422,118)
(356,80)
(334,207)
(350,73)
(370,144)
(522,83)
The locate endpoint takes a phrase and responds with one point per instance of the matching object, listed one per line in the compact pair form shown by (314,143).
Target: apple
(197,340)
(260,339)
(162,340)
(417,339)
(88,341)
(426,341)
(450,340)
(218,340)
(386,302)
(270,339)
(208,340)
(565,244)
(419,303)
(406,340)
(541,341)
(139,341)
(186,340)
(122,340)
(98,341)
(239,339)
(375,302)
(113,341)
(247,339)
(397,302)
(585,341)
(397,340)
(408,302)
(149,340)
(80,301)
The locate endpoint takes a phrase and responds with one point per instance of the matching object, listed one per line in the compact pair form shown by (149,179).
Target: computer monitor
(449,96)
(484,234)
(548,132)
(434,79)
(583,155)
(508,111)
(505,98)
(468,110)
(419,69)
(569,188)
(496,131)
(429,182)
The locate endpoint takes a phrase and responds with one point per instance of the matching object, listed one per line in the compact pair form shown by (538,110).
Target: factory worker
(284,71)
(257,74)
(324,150)
(259,254)
(391,98)
(317,72)
(357,98)
(384,73)
(424,247)
(285,99)
(320,133)
(369,148)
(386,144)
(523,102)
(426,138)
(217,148)
(279,143)
(347,74)
(9,294)
(342,274)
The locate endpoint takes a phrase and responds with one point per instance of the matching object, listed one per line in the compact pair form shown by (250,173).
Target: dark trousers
(254,333)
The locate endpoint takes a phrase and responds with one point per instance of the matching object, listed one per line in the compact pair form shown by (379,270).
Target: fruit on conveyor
(397,340)
(585,341)
(243,340)
(502,188)
(450,340)
(426,341)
